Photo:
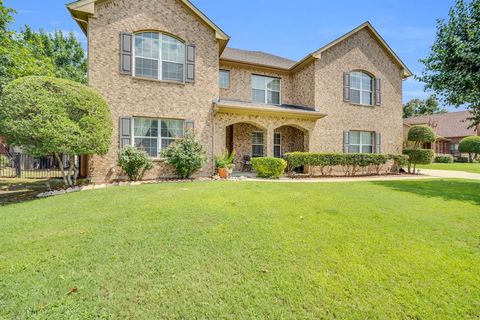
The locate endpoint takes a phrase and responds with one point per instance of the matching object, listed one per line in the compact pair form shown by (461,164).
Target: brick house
(450,128)
(165,68)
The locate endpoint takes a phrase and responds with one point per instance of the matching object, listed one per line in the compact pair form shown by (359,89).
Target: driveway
(450,174)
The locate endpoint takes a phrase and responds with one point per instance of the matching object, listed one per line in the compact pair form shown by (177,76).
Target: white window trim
(159,133)
(256,144)
(220,84)
(265,100)
(362,90)
(361,144)
(160,59)
(277,144)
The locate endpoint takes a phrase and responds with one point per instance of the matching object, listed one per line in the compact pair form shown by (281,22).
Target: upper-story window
(159,56)
(224,79)
(361,88)
(266,89)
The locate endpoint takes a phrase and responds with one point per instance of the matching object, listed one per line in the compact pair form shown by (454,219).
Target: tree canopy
(452,69)
(470,145)
(418,107)
(48,115)
(421,134)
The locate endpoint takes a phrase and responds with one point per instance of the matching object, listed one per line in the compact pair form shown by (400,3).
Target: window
(277,145)
(224,79)
(454,147)
(158,56)
(265,89)
(361,142)
(153,135)
(257,144)
(361,85)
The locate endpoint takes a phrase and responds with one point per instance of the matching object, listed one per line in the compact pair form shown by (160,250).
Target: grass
(245,250)
(18,190)
(457,166)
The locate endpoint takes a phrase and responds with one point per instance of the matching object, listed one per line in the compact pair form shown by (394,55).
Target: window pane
(257,151)
(258,82)
(172,128)
(149,145)
(172,71)
(173,50)
(366,82)
(166,142)
(366,137)
(354,96)
(146,68)
(147,45)
(224,79)
(277,138)
(277,152)
(273,97)
(354,137)
(257,138)
(366,97)
(273,84)
(367,149)
(354,149)
(145,127)
(258,95)
(355,79)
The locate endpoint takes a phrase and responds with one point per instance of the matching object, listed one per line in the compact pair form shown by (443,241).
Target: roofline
(259,65)
(82,9)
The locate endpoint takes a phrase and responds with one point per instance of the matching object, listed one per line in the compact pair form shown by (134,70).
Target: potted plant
(224,164)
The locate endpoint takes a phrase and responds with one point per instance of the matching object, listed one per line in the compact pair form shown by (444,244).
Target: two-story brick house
(165,68)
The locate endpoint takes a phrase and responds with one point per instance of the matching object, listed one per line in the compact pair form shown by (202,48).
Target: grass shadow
(446,189)
(20,190)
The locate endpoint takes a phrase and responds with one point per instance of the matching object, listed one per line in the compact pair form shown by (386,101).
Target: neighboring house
(165,68)
(450,128)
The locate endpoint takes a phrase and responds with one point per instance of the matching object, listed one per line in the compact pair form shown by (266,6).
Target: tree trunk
(61,165)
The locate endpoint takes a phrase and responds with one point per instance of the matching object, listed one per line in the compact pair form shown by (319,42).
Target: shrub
(399,160)
(4,161)
(461,159)
(470,145)
(134,162)
(421,134)
(186,156)
(269,167)
(418,156)
(443,158)
(225,161)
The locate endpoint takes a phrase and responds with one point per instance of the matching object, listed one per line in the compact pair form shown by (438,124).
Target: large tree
(418,107)
(48,115)
(452,69)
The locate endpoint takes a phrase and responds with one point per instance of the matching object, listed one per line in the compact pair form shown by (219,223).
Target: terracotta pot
(223,173)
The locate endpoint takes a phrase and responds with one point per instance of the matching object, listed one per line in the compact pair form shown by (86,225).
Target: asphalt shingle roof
(448,125)
(257,57)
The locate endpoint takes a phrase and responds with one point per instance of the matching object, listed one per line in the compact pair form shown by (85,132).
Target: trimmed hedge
(418,156)
(443,158)
(351,163)
(266,167)
(421,134)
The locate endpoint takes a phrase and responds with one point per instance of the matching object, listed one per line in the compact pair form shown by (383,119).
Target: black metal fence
(20,165)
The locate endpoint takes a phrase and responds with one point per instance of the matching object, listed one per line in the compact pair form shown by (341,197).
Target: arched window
(159,56)
(361,88)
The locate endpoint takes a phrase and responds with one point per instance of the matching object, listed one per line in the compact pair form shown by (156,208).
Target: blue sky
(291,28)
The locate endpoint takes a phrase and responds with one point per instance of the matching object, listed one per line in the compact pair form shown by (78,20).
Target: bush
(470,145)
(269,167)
(134,162)
(443,158)
(421,134)
(186,155)
(4,161)
(418,156)
(225,161)
(351,163)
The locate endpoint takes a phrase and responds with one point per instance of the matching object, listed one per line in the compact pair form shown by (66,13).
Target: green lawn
(457,166)
(246,250)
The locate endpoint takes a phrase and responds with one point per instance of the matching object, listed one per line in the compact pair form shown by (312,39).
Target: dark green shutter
(378,142)
(346,86)
(346,141)
(378,92)
(126,43)
(125,132)
(190,63)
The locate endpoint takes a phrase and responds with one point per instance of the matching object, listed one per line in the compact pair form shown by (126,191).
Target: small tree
(421,134)
(470,145)
(47,115)
(186,155)
(134,162)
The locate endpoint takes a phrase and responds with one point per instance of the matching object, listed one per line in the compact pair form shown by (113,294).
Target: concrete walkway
(450,174)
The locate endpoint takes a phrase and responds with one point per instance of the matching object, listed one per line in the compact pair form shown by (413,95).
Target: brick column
(269,140)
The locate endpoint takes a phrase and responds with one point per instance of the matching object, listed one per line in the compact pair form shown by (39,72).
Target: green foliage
(186,155)
(421,134)
(418,156)
(470,145)
(451,69)
(225,160)
(48,115)
(443,158)
(4,161)
(134,162)
(418,107)
(266,167)
(351,163)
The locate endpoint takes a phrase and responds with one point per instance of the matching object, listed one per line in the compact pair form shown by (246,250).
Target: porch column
(270,140)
